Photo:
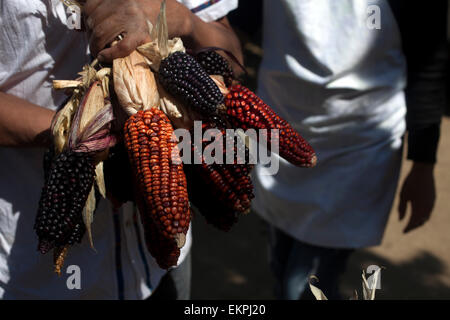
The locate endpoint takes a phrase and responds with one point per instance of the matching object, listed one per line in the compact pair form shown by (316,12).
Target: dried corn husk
(88,214)
(62,121)
(367,289)
(93,101)
(84,125)
(161,46)
(66,84)
(318,294)
(220,83)
(134,83)
(72,3)
(154,52)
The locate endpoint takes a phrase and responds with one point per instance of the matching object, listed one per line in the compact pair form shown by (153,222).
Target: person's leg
(327,264)
(280,246)
(293,262)
(176,283)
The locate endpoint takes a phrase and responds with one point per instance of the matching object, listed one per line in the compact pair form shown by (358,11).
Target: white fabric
(36,46)
(213,10)
(340,84)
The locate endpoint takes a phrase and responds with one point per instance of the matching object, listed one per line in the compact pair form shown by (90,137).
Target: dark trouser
(292,263)
(176,283)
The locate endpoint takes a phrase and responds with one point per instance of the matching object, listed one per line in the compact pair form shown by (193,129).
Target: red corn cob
(220,191)
(246,110)
(163,198)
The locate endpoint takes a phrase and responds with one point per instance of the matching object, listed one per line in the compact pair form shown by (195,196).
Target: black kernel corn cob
(246,110)
(161,183)
(183,77)
(59,221)
(214,64)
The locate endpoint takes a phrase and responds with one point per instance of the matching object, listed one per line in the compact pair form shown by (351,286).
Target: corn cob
(59,220)
(164,249)
(221,191)
(183,77)
(164,203)
(202,197)
(246,110)
(214,64)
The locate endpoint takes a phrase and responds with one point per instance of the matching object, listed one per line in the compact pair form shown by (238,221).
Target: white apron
(340,84)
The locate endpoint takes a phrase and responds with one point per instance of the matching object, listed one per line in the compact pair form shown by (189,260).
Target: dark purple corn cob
(183,77)
(214,64)
(59,220)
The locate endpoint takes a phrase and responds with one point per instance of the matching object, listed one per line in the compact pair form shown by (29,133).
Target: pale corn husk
(368,291)
(88,75)
(100,179)
(66,84)
(94,103)
(318,294)
(180,239)
(161,46)
(62,121)
(154,52)
(134,83)
(104,75)
(88,214)
(151,51)
(72,3)
(220,83)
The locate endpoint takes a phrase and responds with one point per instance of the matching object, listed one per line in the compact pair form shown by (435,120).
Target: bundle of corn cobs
(115,138)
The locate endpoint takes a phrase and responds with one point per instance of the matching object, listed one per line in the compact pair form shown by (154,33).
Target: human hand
(419,190)
(106,19)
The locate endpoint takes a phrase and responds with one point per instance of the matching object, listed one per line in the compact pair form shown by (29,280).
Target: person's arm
(23,124)
(425,46)
(107,19)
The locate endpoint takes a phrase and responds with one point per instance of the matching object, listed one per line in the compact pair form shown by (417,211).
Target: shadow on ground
(231,265)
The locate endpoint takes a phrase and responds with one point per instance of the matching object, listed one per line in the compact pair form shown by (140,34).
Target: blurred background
(234,265)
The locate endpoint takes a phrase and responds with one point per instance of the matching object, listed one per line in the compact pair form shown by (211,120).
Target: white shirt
(340,84)
(36,47)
